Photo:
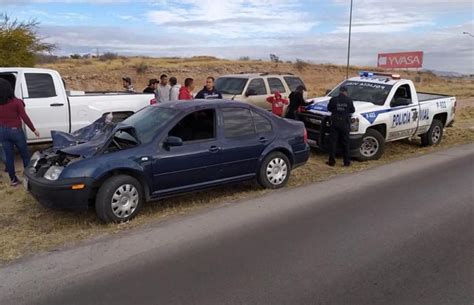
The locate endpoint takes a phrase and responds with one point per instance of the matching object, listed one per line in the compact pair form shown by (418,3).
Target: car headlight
(354,124)
(34,158)
(53,172)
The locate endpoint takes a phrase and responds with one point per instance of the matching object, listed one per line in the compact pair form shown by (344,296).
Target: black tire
(279,161)
(122,186)
(434,135)
(372,146)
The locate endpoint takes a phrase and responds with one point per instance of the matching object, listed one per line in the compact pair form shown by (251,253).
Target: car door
(257,93)
(241,144)
(45,104)
(193,164)
(403,119)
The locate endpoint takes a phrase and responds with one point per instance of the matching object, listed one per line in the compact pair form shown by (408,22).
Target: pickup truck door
(46,104)
(404,114)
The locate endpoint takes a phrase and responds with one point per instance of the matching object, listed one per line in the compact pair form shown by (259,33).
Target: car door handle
(262,140)
(56,105)
(214,149)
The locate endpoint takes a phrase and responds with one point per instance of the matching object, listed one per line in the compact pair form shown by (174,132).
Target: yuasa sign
(400,60)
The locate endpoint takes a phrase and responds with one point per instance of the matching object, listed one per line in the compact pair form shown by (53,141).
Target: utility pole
(349,43)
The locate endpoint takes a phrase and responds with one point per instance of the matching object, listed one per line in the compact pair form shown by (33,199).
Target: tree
(274,58)
(19,42)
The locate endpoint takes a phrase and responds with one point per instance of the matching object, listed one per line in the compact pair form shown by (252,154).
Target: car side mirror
(251,92)
(400,101)
(328,91)
(173,141)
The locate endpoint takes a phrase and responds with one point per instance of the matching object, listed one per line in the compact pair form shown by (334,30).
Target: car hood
(320,106)
(87,141)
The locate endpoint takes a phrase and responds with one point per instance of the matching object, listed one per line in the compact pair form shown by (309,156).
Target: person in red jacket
(278,103)
(186,92)
(12,113)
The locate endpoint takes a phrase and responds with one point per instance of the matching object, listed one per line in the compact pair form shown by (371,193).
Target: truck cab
(388,108)
(51,107)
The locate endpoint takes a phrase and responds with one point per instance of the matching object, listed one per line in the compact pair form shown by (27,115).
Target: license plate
(25,183)
(315,121)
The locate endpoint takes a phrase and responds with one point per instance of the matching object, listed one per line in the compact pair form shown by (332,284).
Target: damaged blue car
(164,150)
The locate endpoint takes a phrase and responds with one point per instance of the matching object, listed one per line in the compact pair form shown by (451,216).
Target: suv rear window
(231,85)
(276,84)
(293,82)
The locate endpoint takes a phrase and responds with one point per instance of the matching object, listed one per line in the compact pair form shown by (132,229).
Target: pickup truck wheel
(119,199)
(274,171)
(434,134)
(372,146)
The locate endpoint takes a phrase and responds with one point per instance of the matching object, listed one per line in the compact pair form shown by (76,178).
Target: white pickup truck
(51,107)
(387,109)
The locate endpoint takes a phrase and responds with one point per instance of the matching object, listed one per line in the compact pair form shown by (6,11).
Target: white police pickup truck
(387,109)
(51,107)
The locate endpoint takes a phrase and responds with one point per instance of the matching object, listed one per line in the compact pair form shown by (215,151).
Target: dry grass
(26,227)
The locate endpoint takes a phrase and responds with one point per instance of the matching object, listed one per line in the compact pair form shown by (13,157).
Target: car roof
(198,103)
(262,74)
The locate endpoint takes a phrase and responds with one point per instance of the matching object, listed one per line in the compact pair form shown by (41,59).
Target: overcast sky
(307,29)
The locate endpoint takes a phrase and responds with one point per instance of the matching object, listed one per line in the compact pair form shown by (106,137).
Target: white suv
(254,88)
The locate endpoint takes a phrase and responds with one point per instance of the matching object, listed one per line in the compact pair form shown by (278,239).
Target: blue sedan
(167,149)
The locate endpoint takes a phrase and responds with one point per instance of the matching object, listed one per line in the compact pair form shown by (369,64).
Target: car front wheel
(119,199)
(274,171)
(372,146)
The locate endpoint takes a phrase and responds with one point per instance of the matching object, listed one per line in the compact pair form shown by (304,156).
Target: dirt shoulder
(27,228)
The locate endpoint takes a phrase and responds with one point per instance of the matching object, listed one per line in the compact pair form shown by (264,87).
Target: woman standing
(297,100)
(12,113)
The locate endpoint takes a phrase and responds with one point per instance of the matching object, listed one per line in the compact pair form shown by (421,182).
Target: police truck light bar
(373,74)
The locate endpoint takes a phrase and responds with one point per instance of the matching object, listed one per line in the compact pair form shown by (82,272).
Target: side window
(196,126)
(40,85)
(276,84)
(262,124)
(403,92)
(237,122)
(293,82)
(258,85)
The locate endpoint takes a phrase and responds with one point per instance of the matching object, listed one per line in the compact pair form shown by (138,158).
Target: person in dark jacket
(12,113)
(209,91)
(152,85)
(297,100)
(341,108)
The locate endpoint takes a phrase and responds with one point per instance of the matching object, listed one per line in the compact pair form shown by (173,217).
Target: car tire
(119,199)
(372,146)
(434,135)
(274,171)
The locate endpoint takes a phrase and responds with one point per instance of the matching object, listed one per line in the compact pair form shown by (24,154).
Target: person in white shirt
(163,90)
(174,91)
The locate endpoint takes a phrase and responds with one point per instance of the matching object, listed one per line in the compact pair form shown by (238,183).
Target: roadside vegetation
(27,228)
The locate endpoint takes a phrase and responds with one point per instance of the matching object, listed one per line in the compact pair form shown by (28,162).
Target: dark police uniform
(341,108)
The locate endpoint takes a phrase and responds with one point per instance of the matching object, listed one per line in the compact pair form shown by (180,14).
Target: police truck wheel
(119,199)
(274,171)
(372,146)
(434,134)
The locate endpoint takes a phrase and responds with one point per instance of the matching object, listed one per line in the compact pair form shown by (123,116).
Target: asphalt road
(398,234)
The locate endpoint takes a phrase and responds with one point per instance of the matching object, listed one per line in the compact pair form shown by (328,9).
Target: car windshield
(365,91)
(149,121)
(231,85)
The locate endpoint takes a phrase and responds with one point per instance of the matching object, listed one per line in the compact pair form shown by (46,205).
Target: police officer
(341,108)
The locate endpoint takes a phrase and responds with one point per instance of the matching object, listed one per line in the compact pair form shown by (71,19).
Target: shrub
(108,56)
(75,56)
(141,68)
(244,58)
(301,64)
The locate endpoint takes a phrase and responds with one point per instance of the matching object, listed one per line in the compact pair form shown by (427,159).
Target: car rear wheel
(434,134)
(274,171)
(119,199)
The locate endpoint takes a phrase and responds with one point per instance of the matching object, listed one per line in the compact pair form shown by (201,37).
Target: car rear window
(230,85)
(262,124)
(293,82)
(236,122)
(276,85)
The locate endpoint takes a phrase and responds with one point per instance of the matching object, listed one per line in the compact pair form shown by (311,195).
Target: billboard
(400,60)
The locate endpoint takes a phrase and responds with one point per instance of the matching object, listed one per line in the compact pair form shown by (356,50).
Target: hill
(94,74)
